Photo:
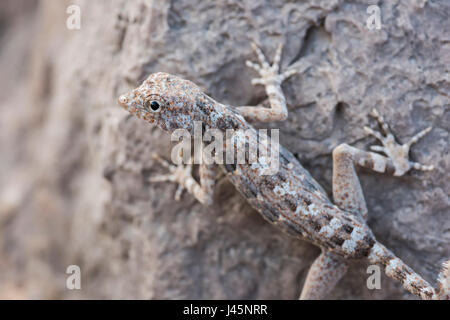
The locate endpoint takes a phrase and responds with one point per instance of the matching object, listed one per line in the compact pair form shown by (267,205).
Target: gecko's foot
(398,153)
(178,174)
(269,73)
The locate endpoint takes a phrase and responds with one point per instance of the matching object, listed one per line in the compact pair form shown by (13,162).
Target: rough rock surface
(74,165)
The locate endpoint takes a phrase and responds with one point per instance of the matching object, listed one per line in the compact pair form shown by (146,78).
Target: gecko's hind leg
(347,191)
(272,79)
(347,194)
(328,268)
(323,275)
(182,174)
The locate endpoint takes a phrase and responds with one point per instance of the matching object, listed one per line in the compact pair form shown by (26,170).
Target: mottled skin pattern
(290,199)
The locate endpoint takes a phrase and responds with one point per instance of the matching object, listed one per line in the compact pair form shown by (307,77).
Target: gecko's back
(292,200)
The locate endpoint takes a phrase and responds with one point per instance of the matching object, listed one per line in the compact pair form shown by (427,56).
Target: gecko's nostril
(123,101)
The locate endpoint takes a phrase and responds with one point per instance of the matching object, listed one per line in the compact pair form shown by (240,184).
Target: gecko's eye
(153,105)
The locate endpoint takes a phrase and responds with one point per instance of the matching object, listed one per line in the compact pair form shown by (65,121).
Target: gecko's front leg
(272,79)
(182,174)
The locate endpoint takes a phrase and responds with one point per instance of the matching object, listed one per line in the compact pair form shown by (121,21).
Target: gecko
(290,198)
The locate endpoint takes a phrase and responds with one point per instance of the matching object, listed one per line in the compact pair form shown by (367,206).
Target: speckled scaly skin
(290,199)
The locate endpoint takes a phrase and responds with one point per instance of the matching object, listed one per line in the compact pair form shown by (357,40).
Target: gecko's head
(168,101)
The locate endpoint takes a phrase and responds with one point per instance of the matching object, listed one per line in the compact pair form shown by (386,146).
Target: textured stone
(74,165)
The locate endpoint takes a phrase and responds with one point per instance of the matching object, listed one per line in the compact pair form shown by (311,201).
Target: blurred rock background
(74,165)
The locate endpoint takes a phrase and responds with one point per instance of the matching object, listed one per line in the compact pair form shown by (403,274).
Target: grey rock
(74,168)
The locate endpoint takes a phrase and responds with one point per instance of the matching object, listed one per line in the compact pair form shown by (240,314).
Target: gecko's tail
(411,281)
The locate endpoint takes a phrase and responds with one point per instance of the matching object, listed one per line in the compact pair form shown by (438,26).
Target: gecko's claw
(277,58)
(253,65)
(398,153)
(289,73)
(162,178)
(269,73)
(163,162)
(178,173)
(418,136)
(422,167)
(377,148)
